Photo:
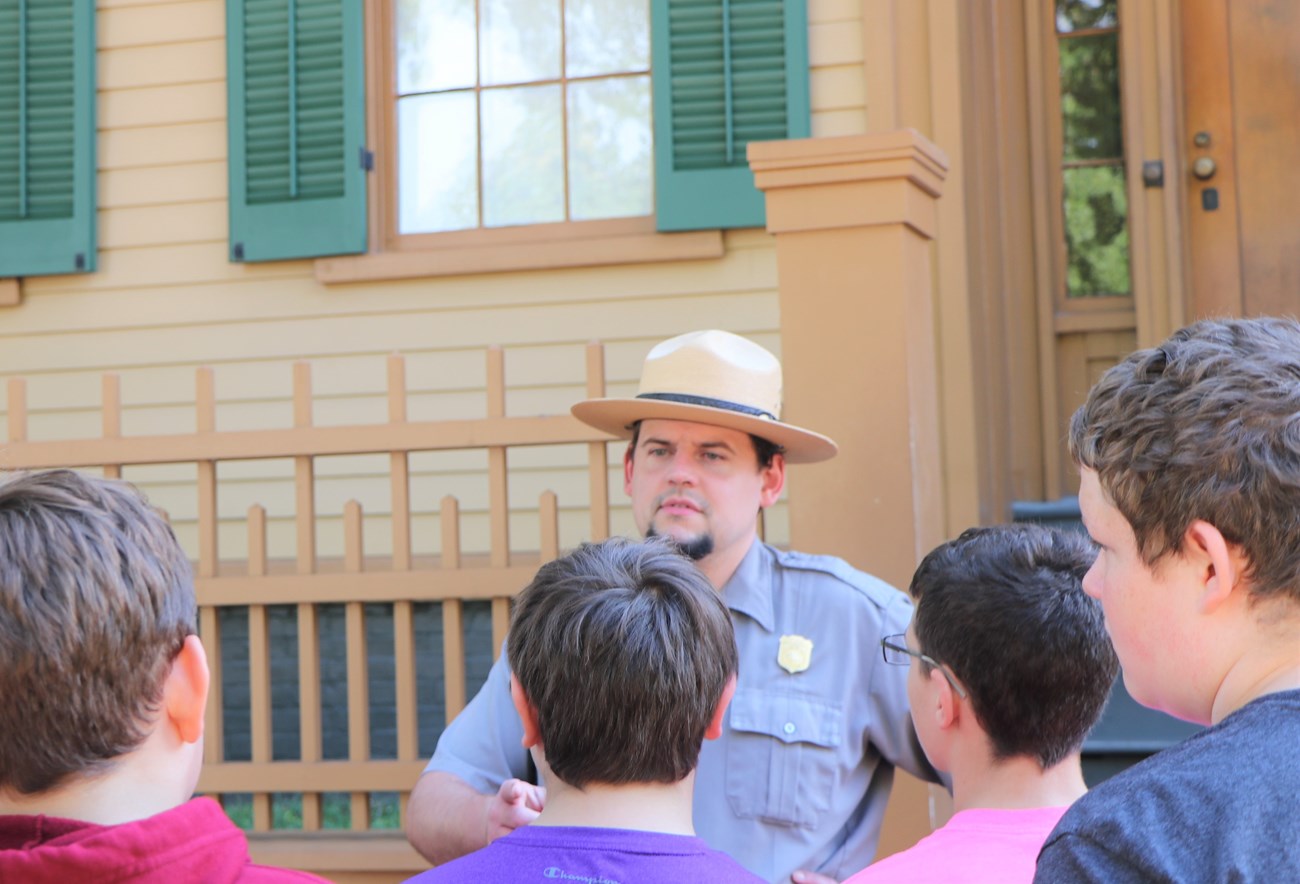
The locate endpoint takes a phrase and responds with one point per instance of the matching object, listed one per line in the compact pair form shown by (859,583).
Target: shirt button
(789,727)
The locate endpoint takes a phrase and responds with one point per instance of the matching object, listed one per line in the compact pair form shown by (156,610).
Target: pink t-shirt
(975,846)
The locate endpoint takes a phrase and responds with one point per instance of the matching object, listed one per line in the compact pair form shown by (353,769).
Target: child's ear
(527,714)
(1221,564)
(185,692)
(714,729)
(946,709)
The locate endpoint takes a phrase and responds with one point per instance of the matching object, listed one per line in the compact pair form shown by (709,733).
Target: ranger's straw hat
(710,377)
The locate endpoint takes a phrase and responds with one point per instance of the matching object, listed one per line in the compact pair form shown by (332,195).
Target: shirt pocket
(782,758)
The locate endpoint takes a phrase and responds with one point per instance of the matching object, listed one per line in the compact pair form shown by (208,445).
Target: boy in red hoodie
(104,685)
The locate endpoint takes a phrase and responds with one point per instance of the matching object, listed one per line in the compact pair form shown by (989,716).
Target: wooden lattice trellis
(258,583)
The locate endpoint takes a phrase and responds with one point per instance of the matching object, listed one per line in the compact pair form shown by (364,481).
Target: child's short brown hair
(96,599)
(1205,426)
(624,649)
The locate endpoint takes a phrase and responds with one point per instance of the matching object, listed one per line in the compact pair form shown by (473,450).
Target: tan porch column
(853,219)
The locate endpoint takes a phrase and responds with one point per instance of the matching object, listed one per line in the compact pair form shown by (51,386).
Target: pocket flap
(790,718)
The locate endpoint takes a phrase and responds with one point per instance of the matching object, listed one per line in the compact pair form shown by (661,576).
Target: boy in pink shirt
(1010,669)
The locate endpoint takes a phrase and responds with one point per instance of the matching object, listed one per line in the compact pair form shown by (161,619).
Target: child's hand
(811,878)
(515,804)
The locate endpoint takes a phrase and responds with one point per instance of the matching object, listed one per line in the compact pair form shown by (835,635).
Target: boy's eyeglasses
(897,653)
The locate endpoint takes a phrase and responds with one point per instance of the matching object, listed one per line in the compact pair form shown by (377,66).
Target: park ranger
(796,787)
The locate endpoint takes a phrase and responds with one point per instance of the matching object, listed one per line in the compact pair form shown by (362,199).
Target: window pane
(523,156)
(521,41)
(1090,110)
(610,148)
(436,163)
(1096,231)
(1076,15)
(606,36)
(435,45)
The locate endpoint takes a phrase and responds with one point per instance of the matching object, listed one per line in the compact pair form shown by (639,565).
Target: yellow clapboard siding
(122,4)
(574,524)
(371,491)
(748,238)
(53,305)
(80,418)
(162,145)
(166,298)
(157,400)
(172,265)
(163,185)
(167,105)
(828,124)
(822,11)
(838,88)
(835,43)
(193,222)
(182,267)
(131,67)
(656,317)
(49,299)
(154,24)
(95,300)
(435,380)
(426,532)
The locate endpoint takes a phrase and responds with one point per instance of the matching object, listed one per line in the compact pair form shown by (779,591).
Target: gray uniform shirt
(801,774)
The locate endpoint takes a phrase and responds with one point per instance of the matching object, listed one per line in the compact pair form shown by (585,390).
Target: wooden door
(1241,69)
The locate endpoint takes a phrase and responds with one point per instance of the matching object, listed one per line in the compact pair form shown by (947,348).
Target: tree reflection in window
(1094,195)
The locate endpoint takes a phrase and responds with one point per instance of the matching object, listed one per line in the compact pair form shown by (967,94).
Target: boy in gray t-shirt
(1190,483)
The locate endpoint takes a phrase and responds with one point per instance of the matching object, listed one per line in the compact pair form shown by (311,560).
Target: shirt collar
(749,591)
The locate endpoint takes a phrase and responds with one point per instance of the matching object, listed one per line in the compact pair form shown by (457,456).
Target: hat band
(707,402)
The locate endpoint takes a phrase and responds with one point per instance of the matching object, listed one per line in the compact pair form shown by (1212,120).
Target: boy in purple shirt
(624,660)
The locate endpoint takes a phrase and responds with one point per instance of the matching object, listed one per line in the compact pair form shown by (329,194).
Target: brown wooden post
(111,387)
(498,494)
(259,667)
(309,708)
(853,218)
(453,635)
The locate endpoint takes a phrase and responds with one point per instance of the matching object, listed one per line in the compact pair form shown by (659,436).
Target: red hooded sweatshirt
(195,842)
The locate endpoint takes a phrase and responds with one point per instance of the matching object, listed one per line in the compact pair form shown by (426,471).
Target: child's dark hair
(1004,609)
(624,649)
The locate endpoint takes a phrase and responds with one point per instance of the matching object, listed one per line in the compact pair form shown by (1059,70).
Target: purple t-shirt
(559,854)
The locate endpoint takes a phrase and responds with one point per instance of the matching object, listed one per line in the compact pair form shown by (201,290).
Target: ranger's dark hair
(1205,426)
(763,449)
(625,649)
(96,600)
(1004,609)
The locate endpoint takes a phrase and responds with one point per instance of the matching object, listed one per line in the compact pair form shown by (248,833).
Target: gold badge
(795,653)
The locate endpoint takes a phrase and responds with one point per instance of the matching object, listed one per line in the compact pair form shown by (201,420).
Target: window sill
(528,254)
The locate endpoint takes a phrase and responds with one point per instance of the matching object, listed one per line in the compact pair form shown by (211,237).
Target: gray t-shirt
(1220,806)
(802,772)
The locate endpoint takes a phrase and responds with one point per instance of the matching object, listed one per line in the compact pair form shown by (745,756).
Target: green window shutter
(47,137)
(726,72)
(296,82)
